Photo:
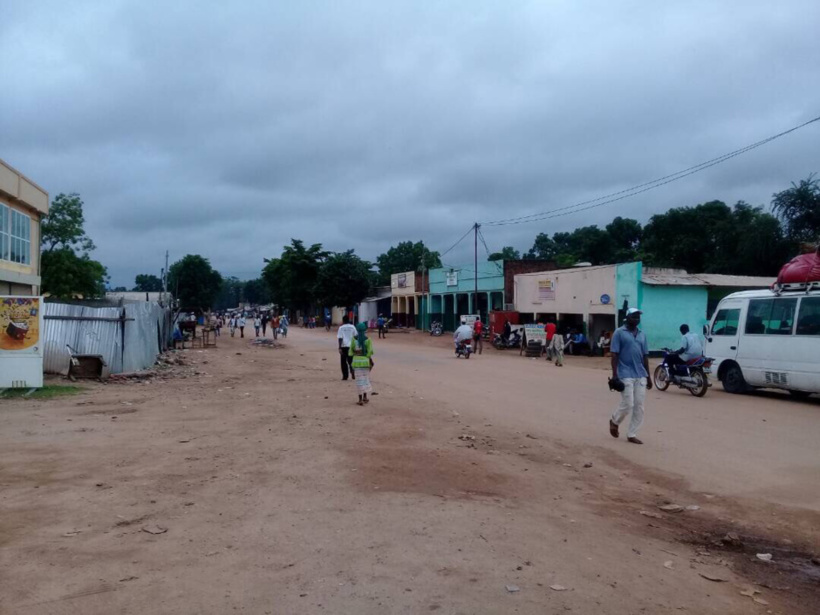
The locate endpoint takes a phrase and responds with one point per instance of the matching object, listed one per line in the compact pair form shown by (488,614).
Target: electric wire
(641,188)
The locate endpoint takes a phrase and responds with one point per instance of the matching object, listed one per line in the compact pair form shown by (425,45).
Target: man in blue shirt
(630,365)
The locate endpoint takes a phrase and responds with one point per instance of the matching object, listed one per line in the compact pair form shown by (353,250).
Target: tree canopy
(64,227)
(147,283)
(507,253)
(66,268)
(406,256)
(194,282)
(343,280)
(292,277)
(799,209)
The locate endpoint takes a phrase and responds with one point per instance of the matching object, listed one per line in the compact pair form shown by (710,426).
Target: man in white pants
(630,365)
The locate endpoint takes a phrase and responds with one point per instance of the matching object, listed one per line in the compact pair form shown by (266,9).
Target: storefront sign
(402,280)
(605,299)
(452,278)
(546,290)
(21,348)
(469,318)
(535,332)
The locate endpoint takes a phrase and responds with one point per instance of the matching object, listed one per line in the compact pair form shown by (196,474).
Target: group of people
(260,321)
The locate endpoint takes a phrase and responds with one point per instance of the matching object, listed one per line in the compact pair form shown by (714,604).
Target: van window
(726,322)
(781,320)
(770,316)
(808,322)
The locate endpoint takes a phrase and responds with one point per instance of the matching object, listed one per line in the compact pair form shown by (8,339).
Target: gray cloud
(226,130)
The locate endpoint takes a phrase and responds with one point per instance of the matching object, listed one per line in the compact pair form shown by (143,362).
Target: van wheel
(733,380)
(799,394)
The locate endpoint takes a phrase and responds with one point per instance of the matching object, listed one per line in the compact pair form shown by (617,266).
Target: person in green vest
(361,349)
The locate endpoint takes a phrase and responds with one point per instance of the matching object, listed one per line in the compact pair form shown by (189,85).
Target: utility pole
(475,267)
(165,279)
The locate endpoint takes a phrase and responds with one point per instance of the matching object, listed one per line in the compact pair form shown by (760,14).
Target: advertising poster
(546,290)
(452,278)
(19,324)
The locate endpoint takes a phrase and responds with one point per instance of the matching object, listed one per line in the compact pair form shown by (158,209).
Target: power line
(641,188)
(470,230)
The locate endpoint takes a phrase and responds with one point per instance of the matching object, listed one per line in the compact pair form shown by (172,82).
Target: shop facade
(22,205)
(594,299)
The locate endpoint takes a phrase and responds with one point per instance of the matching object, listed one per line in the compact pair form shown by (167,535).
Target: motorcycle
(514,341)
(436,329)
(464,349)
(692,376)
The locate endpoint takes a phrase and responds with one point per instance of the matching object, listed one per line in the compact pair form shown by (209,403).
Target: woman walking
(361,349)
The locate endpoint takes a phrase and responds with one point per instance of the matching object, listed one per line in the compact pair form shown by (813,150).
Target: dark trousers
(264,328)
(381,331)
(347,362)
(241,331)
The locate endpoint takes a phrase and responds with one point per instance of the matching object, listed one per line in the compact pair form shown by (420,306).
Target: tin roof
(679,277)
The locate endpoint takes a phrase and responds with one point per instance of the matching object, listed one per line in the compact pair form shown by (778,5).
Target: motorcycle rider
(691,348)
(463,334)
(505,336)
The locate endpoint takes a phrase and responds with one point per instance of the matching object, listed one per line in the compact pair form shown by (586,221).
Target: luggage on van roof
(801,272)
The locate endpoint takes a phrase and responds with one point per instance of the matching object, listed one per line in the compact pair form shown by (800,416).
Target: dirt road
(249,481)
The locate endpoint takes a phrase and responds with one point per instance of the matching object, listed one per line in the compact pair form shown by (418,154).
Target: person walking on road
(380,325)
(478,329)
(361,349)
(240,322)
(345,335)
(265,319)
(630,365)
(283,325)
(549,332)
(274,325)
(232,324)
(557,348)
(257,324)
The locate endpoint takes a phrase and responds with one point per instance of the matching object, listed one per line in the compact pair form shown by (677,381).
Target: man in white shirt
(345,335)
(463,333)
(691,348)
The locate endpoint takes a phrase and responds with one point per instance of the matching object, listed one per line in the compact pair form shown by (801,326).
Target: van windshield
(726,322)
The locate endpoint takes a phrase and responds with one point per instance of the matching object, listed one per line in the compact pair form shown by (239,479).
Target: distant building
(593,299)
(22,205)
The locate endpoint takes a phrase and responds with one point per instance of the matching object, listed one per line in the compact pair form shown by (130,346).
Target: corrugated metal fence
(128,337)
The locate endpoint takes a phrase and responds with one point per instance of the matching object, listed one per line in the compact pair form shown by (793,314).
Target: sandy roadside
(250,482)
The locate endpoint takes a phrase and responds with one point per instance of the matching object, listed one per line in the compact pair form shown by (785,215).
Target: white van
(760,338)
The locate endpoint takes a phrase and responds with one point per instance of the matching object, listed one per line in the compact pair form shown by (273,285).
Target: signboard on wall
(21,344)
(545,291)
(469,318)
(402,280)
(452,278)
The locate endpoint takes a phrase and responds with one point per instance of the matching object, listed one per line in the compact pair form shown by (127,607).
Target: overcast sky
(225,129)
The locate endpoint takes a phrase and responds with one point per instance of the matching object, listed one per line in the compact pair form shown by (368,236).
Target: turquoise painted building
(671,297)
(452,292)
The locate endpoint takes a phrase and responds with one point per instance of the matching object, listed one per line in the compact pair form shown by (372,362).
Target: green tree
(626,239)
(231,294)
(257,292)
(799,209)
(67,275)
(64,225)
(147,283)
(406,256)
(194,282)
(291,278)
(508,253)
(343,280)
(543,248)
(66,268)
(715,238)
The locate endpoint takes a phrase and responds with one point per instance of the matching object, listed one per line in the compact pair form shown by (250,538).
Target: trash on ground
(671,508)
(764,557)
(154,529)
(558,588)
(513,588)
